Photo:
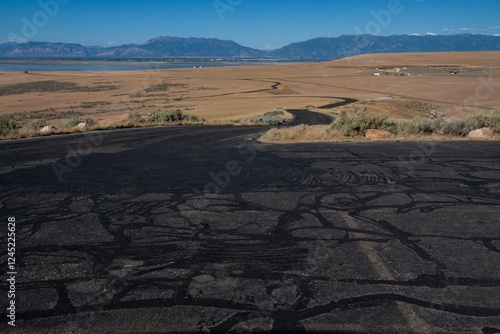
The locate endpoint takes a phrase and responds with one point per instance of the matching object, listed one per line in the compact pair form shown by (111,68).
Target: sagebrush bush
(7,125)
(483,118)
(169,116)
(72,122)
(274,117)
(193,118)
(453,126)
(135,118)
(165,116)
(390,126)
(358,123)
(34,125)
(419,125)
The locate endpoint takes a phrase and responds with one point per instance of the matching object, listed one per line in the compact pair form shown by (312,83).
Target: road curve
(304,116)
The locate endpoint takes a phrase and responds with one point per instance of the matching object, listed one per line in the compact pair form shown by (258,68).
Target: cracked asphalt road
(203,229)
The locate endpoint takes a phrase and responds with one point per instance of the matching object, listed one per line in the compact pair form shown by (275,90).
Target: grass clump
(8,125)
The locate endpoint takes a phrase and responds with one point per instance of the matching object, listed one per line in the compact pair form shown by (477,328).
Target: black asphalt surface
(203,229)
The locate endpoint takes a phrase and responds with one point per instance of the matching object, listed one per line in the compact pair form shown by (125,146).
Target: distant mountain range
(314,49)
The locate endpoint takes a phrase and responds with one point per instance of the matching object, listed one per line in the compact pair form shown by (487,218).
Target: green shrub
(7,125)
(275,112)
(358,123)
(419,125)
(169,116)
(194,118)
(453,126)
(72,122)
(135,118)
(483,118)
(390,126)
(35,124)
(165,116)
(274,117)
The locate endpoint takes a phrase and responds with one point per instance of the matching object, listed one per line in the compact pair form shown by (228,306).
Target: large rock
(81,126)
(378,134)
(482,133)
(47,129)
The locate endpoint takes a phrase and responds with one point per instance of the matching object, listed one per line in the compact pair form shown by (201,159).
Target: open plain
(409,85)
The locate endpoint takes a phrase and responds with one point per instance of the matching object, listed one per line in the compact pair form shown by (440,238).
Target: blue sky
(262,24)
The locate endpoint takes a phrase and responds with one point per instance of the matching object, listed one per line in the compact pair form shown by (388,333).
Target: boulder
(47,129)
(378,134)
(81,126)
(482,133)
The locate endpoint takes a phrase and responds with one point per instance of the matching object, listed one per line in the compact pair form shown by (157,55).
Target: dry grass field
(409,85)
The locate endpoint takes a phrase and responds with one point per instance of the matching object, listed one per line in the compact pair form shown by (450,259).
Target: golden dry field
(409,85)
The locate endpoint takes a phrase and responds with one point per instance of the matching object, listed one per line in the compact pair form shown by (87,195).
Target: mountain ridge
(316,49)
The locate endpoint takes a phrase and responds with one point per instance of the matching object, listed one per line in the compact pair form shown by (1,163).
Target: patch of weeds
(274,117)
(358,123)
(46,114)
(170,116)
(419,126)
(483,118)
(137,94)
(74,121)
(453,126)
(8,125)
(135,118)
(163,87)
(50,87)
(34,125)
(94,104)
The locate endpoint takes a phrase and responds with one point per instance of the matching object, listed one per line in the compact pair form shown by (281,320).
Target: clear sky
(261,24)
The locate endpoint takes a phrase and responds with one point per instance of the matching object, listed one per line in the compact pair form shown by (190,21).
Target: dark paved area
(192,229)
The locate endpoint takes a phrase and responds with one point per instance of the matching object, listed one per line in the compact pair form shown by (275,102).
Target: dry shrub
(8,125)
(358,123)
(483,118)
(305,133)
